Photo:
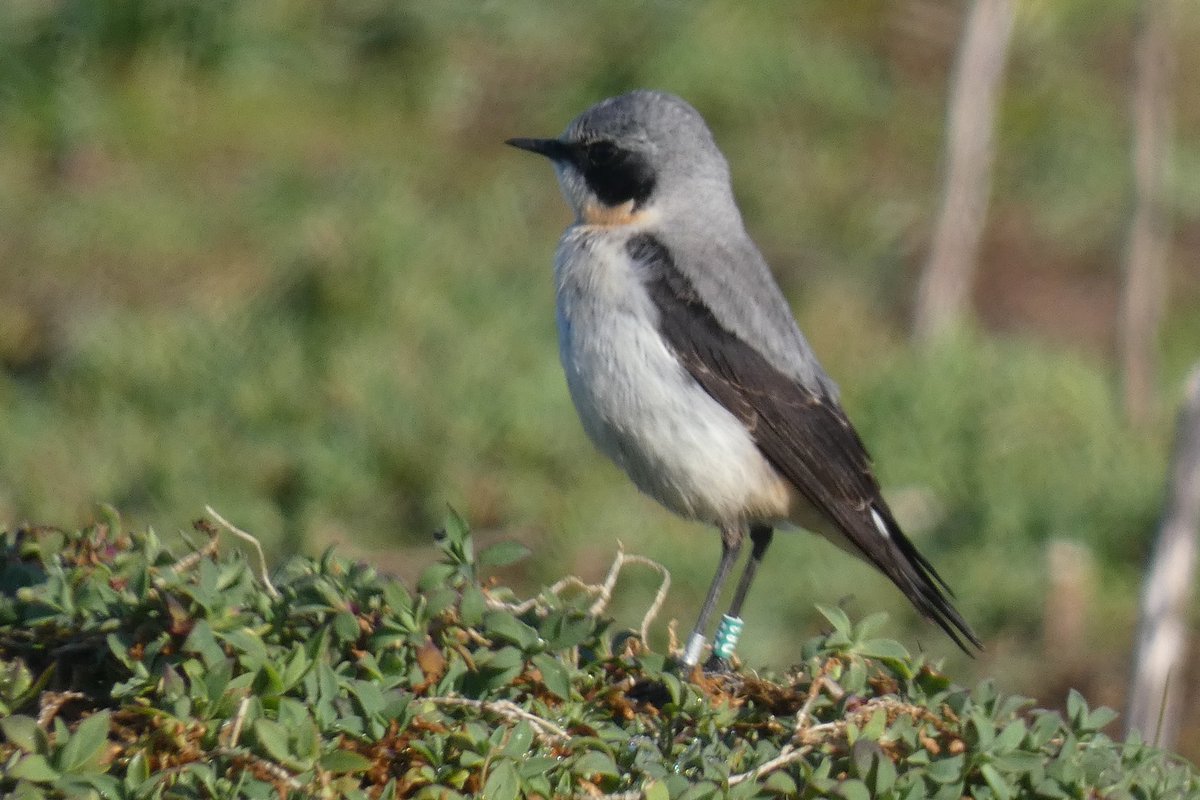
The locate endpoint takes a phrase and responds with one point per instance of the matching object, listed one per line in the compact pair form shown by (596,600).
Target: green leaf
(455,542)
(252,653)
(458,778)
(295,668)
(137,772)
(1076,707)
(272,738)
(931,681)
(90,786)
(554,675)
(946,770)
(305,741)
(673,686)
(871,763)
(345,626)
(502,782)
(500,668)
(870,624)
(996,782)
(531,766)
(471,606)
(439,599)
(342,761)
(781,783)
(202,642)
(1051,789)
(397,597)
(435,576)
(837,618)
(862,755)
(985,729)
(370,698)
(882,649)
(85,749)
(506,627)
(885,775)
(951,791)
(1045,727)
(119,650)
(34,767)
(595,762)
(267,681)
(853,789)
(875,726)
(1018,761)
(567,628)
(520,737)
(24,733)
(1010,737)
(502,554)
(455,528)
(703,790)
(1098,718)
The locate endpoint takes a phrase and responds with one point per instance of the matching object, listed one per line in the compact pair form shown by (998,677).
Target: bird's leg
(731,545)
(760,540)
(731,624)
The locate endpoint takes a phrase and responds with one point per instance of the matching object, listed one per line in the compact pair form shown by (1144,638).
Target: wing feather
(801,429)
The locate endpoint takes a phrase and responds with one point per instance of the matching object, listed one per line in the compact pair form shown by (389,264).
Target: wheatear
(687,367)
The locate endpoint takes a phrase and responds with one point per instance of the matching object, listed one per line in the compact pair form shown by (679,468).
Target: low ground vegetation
(130,671)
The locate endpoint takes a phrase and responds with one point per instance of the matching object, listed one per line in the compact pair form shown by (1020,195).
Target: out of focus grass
(272,256)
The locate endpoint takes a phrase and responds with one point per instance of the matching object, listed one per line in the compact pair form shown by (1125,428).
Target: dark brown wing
(801,430)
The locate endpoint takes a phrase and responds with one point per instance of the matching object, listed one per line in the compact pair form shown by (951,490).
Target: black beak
(553,149)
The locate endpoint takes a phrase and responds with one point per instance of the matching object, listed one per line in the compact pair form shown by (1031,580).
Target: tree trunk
(1144,289)
(1155,693)
(944,291)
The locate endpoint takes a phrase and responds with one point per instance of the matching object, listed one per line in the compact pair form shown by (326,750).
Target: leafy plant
(135,673)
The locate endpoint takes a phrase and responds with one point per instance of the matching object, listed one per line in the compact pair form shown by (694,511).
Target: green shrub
(127,671)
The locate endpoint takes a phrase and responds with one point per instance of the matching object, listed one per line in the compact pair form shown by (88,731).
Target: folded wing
(800,429)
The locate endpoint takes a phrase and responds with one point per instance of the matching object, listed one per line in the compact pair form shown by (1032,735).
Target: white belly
(640,406)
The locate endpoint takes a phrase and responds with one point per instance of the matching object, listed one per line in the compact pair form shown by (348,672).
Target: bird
(688,369)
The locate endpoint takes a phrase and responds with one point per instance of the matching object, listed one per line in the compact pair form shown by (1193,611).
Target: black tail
(922,584)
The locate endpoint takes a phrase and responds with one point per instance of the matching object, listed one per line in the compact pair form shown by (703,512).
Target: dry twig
(543,728)
(602,591)
(52,703)
(253,542)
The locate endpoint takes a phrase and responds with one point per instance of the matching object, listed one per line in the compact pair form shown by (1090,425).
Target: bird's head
(635,155)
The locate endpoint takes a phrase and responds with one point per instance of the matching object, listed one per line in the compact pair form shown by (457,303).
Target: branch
(253,542)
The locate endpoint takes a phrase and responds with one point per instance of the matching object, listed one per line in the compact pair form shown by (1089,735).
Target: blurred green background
(272,256)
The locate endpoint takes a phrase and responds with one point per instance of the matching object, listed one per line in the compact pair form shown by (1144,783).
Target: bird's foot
(716,665)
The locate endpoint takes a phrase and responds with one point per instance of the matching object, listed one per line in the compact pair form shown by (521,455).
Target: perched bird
(687,367)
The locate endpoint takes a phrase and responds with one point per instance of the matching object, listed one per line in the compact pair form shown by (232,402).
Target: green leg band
(727,636)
